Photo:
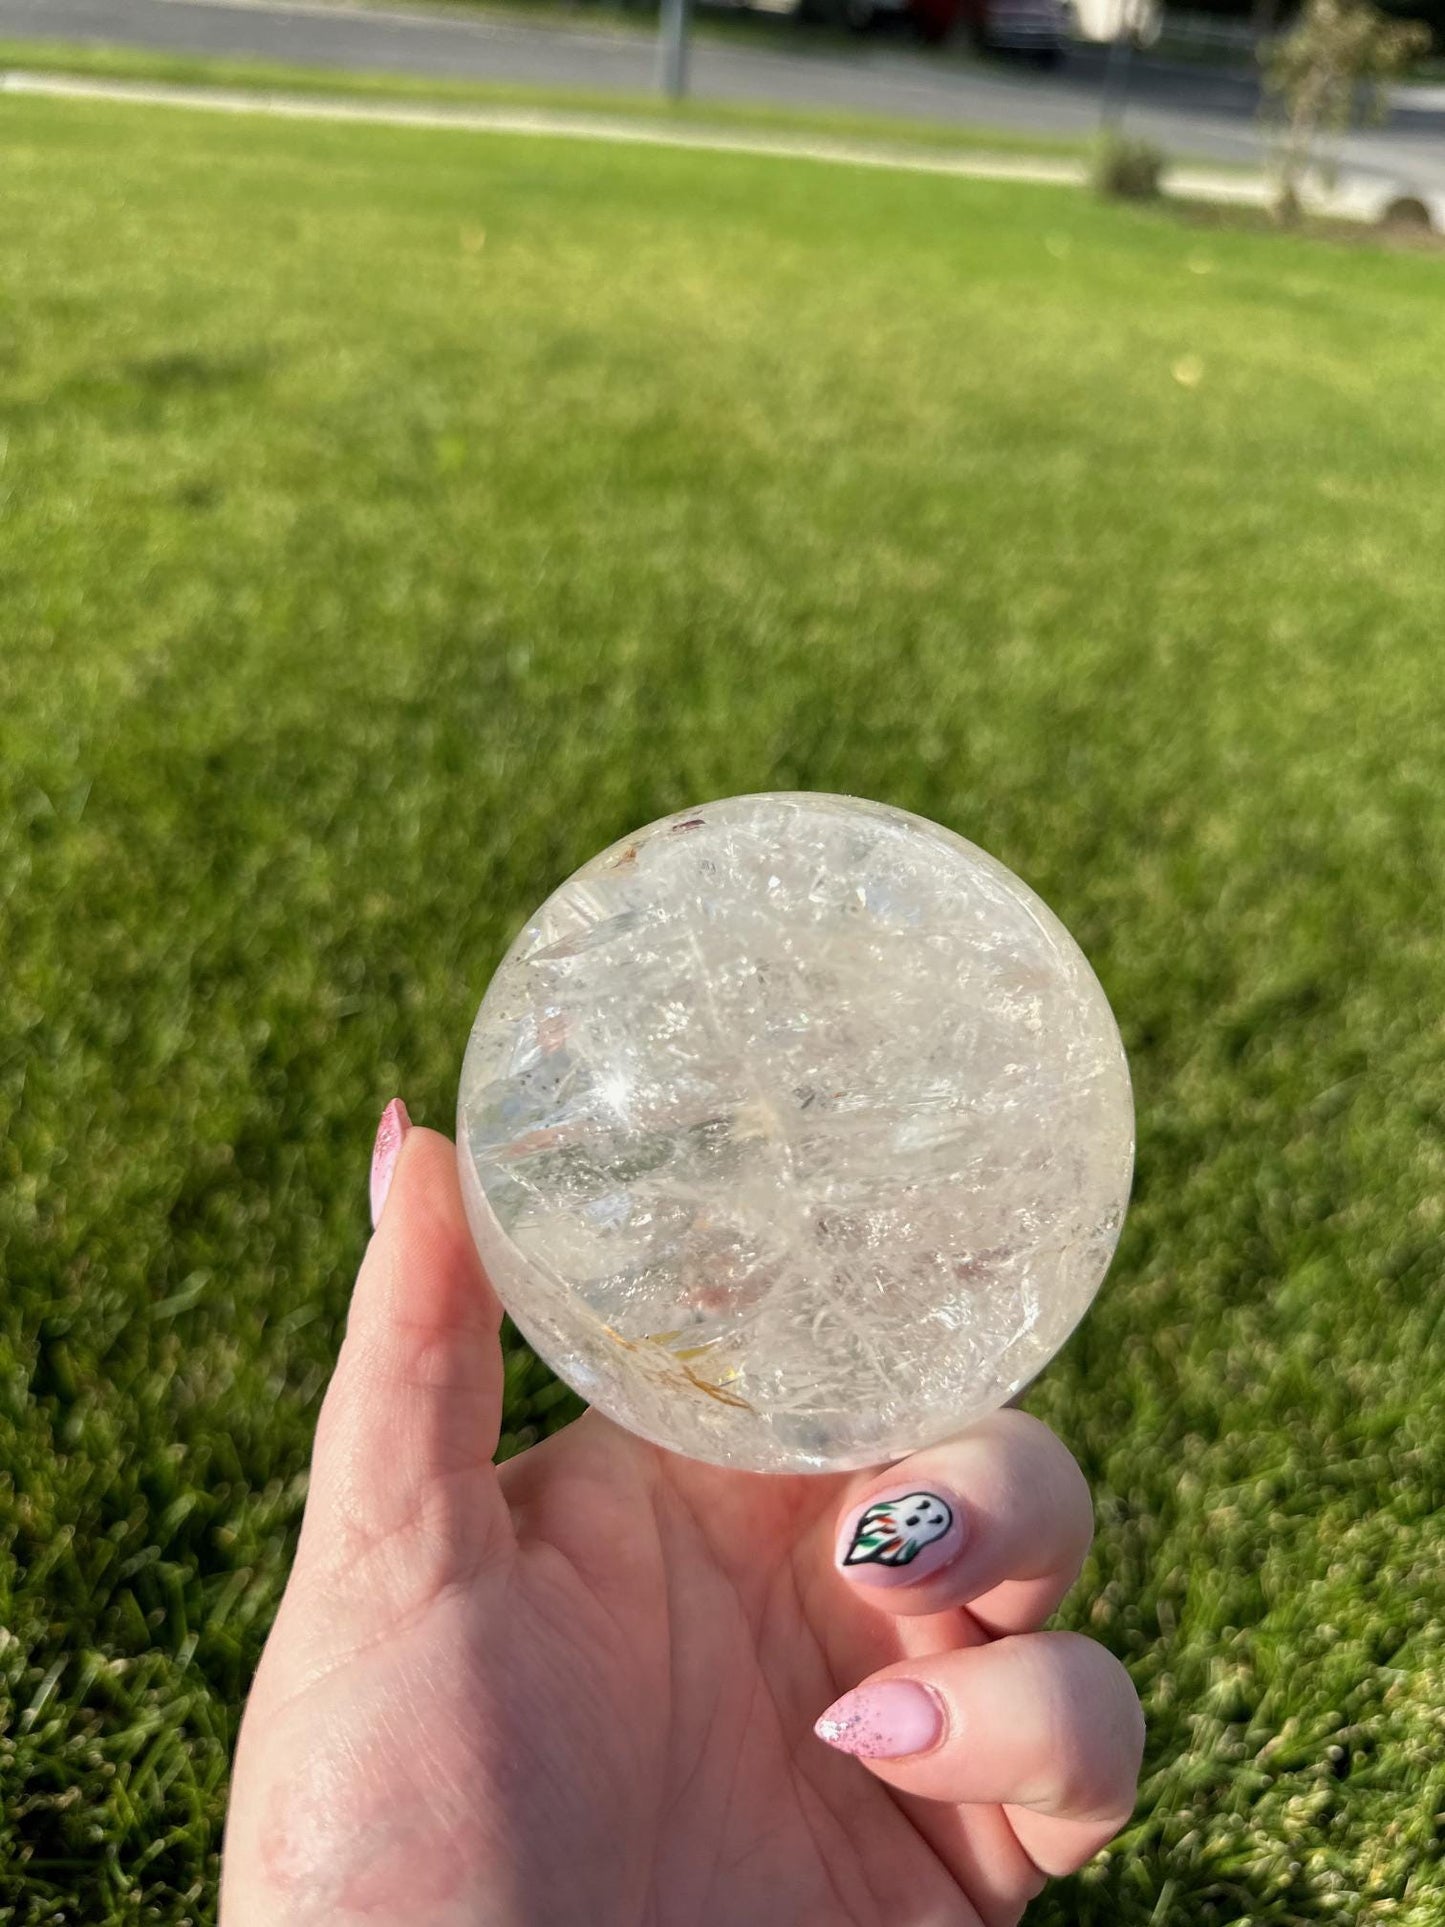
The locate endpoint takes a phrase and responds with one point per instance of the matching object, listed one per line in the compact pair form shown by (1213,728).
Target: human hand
(579,1689)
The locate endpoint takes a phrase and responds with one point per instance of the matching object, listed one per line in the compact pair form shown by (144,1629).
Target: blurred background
(434,442)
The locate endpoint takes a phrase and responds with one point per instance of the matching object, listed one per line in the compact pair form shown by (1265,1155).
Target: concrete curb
(550,123)
(1356,198)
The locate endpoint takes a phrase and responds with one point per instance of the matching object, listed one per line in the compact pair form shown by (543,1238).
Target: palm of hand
(578,1689)
(649,1662)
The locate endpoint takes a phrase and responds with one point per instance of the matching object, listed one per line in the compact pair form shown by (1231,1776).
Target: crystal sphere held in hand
(795,1132)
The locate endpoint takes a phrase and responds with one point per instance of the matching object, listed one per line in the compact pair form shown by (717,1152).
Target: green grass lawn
(387,520)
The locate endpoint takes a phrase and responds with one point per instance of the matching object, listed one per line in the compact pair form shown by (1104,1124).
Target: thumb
(402,1472)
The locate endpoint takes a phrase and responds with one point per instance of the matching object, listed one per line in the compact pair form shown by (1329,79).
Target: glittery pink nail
(886,1721)
(896,1539)
(392,1129)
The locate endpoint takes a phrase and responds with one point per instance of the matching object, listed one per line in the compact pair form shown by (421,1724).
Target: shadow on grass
(192,371)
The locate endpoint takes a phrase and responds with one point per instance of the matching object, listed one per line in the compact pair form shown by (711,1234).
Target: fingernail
(897,1539)
(886,1721)
(392,1129)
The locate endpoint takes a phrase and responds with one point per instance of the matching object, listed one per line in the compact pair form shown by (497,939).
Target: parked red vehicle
(1038,28)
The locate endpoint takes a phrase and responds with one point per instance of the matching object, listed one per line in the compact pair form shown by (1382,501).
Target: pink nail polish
(392,1129)
(897,1539)
(886,1721)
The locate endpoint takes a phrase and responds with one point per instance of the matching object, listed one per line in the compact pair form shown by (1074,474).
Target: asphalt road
(1189,113)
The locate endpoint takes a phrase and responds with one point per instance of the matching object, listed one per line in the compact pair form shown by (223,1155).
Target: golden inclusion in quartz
(795,1132)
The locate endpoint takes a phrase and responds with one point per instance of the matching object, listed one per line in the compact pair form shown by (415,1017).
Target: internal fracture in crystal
(795,1132)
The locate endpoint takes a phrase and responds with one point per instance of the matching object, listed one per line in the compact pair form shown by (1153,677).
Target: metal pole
(1116,72)
(672,30)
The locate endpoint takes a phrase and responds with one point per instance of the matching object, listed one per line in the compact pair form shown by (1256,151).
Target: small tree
(1333,68)
(1124,169)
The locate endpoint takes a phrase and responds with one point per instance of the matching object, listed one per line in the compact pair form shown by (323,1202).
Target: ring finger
(1046,1726)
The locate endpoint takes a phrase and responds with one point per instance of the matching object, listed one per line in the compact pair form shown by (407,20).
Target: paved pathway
(1191,112)
(1203,114)
(1189,183)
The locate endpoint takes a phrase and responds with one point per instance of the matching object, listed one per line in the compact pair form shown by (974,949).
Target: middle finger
(997,1519)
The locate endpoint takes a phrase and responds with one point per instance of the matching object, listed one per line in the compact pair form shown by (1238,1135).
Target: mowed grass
(389,520)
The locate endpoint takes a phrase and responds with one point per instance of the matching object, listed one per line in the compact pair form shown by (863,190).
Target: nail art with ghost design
(898,1541)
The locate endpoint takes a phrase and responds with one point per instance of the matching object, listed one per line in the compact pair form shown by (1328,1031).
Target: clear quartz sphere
(795,1132)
